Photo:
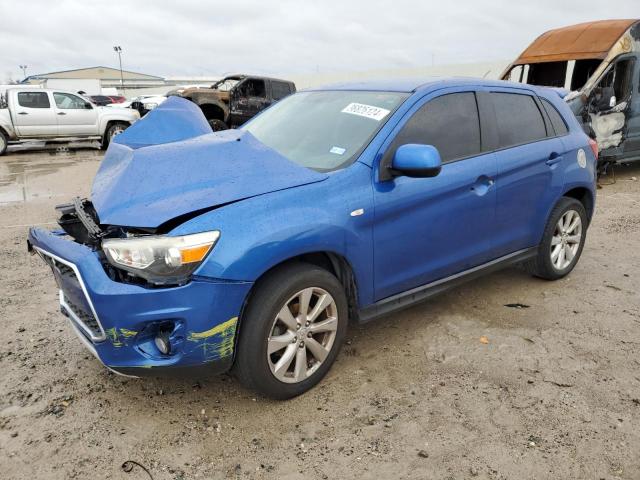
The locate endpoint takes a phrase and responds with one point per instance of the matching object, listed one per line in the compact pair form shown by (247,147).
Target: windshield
(324,130)
(225,85)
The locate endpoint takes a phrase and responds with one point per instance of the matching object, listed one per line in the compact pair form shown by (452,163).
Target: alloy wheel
(302,335)
(116,131)
(566,239)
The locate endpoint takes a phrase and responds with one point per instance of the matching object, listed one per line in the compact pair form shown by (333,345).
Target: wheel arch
(584,196)
(333,262)
(113,121)
(7,134)
(213,111)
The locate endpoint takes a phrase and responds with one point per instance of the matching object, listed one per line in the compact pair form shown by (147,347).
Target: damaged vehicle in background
(596,67)
(251,249)
(235,99)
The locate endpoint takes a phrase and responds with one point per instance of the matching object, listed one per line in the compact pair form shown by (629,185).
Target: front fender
(262,232)
(104,117)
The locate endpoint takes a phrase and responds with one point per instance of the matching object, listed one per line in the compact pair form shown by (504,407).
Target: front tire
(291,332)
(218,125)
(113,130)
(562,241)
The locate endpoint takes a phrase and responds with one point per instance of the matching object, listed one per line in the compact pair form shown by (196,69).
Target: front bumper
(118,322)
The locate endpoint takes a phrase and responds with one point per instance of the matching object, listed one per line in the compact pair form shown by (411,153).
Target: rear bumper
(118,322)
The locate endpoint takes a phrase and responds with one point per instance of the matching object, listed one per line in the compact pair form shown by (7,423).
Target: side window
(253,88)
(518,119)
(280,90)
(619,77)
(68,101)
(450,123)
(557,121)
(33,99)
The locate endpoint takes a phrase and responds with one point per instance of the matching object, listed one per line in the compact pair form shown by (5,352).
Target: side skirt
(424,292)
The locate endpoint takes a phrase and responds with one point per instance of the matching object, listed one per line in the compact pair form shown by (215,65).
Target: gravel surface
(460,387)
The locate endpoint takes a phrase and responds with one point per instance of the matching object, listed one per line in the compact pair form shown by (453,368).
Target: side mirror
(607,99)
(414,160)
(87,106)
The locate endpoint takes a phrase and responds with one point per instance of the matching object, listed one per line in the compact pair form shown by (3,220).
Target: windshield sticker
(369,111)
(338,150)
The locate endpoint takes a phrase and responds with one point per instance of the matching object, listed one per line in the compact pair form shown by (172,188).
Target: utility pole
(118,50)
(24,71)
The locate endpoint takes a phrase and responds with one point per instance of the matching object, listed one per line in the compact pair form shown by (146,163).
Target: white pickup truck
(56,115)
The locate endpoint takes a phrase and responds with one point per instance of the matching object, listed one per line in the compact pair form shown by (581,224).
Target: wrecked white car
(598,63)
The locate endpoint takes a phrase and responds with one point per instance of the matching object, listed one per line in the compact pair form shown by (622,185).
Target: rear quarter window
(279,90)
(518,119)
(557,122)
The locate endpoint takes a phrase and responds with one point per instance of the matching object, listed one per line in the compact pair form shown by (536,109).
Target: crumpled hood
(150,185)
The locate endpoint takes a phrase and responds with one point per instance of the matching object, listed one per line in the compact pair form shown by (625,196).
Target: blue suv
(251,249)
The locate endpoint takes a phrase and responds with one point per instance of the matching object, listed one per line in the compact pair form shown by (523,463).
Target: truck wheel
(562,241)
(217,125)
(291,332)
(113,130)
(4,142)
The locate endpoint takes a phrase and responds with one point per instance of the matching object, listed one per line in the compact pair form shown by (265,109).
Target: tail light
(594,147)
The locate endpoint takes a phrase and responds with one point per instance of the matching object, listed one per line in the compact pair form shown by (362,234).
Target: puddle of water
(21,165)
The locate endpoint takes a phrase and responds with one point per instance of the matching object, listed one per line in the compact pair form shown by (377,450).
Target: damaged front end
(132,326)
(80,221)
(129,288)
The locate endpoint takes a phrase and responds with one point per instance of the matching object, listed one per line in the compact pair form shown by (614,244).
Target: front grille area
(68,277)
(86,318)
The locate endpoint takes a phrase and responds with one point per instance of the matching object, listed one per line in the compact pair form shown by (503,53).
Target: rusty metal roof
(585,40)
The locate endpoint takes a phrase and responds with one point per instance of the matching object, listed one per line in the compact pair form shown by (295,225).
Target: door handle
(554,158)
(482,185)
(61,113)
(23,113)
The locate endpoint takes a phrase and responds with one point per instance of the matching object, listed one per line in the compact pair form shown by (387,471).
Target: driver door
(428,229)
(76,116)
(632,142)
(248,98)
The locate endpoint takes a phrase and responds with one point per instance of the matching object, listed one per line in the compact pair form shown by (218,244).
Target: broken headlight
(160,259)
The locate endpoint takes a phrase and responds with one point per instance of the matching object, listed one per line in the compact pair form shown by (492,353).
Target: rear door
(34,115)
(76,116)
(430,228)
(530,173)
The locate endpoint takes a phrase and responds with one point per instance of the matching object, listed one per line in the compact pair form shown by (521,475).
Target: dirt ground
(460,387)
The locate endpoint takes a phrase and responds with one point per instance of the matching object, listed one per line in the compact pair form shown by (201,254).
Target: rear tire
(274,331)
(113,130)
(562,241)
(4,143)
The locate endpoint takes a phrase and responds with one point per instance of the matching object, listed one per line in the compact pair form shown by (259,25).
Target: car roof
(412,85)
(242,76)
(582,41)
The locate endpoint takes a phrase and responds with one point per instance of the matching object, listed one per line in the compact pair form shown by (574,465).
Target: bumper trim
(72,316)
(92,349)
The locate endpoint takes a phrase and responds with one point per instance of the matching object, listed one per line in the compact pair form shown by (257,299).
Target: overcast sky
(207,38)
